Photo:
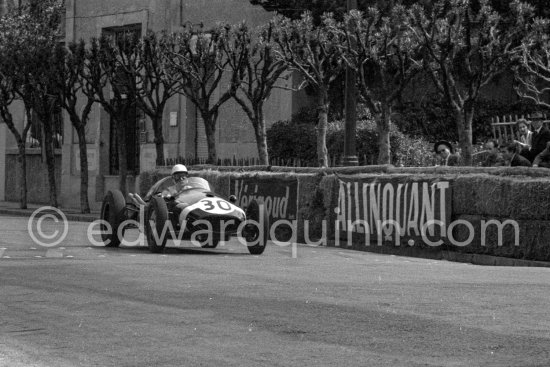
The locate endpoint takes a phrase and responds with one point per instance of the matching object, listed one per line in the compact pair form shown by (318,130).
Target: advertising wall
(280,196)
(388,209)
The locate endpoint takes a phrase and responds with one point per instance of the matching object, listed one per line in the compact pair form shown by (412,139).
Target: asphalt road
(77,304)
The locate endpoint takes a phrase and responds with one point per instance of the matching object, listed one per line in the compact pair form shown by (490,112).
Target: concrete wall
(2,162)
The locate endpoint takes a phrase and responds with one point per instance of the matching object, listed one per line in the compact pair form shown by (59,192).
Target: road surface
(77,304)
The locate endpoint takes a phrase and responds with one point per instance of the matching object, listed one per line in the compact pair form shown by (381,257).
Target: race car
(194,213)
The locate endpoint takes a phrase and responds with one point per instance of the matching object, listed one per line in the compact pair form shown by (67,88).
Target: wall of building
(236,138)
(181,125)
(2,161)
(18,112)
(235,133)
(232,11)
(38,190)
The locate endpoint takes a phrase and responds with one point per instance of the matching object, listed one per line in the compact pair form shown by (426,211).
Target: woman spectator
(525,134)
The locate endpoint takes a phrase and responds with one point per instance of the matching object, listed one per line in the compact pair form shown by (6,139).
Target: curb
(475,259)
(489,260)
(70,216)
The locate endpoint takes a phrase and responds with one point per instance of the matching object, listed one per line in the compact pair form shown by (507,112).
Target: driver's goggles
(180,176)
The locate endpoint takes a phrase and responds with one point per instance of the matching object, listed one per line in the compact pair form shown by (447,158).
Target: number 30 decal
(215,206)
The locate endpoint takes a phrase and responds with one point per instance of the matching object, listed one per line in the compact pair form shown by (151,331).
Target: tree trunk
(261,137)
(50,162)
(22,164)
(84,203)
(464,119)
(122,156)
(383,125)
(210,129)
(159,139)
(21,169)
(322,124)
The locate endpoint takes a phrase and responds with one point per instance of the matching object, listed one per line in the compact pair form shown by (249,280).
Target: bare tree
(42,96)
(256,71)
(314,52)
(533,73)
(147,62)
(465,48)
(29,35)
(384,55)
(68,66)
(8,88)
(198,66)
(101,75)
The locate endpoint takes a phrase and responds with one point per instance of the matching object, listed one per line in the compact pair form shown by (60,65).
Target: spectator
(445,151)
(525,134)
(541,136)
(513,157)
(543,159)
(494,157)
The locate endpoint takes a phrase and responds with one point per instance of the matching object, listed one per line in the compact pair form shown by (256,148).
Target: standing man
(541,136)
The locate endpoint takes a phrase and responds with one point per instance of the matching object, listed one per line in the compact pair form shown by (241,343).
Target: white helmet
(179,168)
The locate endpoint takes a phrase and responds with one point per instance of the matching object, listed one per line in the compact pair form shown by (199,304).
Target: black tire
(156,216)
(112,211)
(254,236)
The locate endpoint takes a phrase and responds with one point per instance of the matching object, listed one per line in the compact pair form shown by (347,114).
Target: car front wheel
(256,235)
(156,230)
(112,213)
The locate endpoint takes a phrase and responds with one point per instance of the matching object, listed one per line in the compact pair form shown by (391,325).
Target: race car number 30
(215,206)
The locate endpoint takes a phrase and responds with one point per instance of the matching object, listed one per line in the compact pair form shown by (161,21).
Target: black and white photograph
(274,183)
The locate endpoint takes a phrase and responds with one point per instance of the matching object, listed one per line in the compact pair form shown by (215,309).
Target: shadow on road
(169,250)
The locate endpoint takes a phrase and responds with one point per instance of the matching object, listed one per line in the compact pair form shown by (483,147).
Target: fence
(504,128)
(334,161)
(192,161)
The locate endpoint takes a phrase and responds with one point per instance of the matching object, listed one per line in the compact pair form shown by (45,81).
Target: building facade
(183,129)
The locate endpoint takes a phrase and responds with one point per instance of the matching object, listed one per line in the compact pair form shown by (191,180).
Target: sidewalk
(12,208)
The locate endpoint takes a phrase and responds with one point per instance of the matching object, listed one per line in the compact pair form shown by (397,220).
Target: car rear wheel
(156,217)
(255,235)
(112,212)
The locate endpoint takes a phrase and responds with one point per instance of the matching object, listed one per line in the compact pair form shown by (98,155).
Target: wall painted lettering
(386,207)
(280,196)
